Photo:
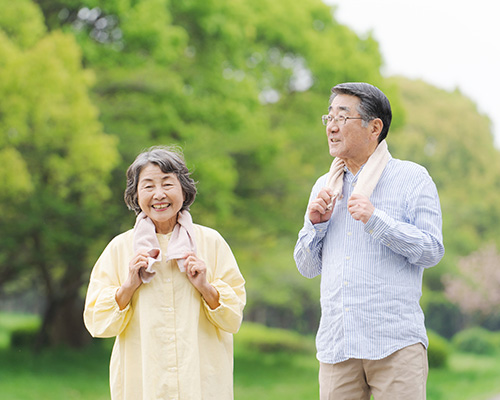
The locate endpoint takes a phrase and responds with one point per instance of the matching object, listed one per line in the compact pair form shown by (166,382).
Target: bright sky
(447,43)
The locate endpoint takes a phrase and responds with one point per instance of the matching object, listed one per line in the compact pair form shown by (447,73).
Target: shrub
(24,337)
(438,351)
(18,329)
(441,316)
(260,338)
(476,340)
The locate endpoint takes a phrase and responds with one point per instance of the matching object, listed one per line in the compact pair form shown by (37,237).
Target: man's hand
(360,207)
(321,208)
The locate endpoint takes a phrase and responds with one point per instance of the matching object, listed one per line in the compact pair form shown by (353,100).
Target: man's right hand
(318,209)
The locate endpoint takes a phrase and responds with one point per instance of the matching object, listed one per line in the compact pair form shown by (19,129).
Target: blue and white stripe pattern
(371,275)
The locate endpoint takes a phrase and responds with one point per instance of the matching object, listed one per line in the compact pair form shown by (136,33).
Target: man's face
(350,141)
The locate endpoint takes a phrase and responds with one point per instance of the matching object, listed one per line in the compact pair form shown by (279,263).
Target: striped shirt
(371,274)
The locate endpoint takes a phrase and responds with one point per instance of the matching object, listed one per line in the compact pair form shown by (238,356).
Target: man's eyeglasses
(339,120)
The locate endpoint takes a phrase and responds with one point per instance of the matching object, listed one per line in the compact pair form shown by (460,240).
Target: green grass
(467,377)
(54,374)
(264,369)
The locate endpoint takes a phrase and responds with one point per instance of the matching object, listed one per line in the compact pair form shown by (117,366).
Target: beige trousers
(400,376)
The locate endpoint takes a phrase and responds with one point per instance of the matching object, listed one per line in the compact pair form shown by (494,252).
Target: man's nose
(332,127)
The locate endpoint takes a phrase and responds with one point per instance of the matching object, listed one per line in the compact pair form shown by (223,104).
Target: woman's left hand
(196,271)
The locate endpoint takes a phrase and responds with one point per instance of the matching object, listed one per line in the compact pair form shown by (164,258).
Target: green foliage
(22,22)
(25,337)
(477,340)
(475,286)
(13,327)
(467,376)
(254,337)
(441,315)
(58,164)
(439,350)
(240,86)
(437,134)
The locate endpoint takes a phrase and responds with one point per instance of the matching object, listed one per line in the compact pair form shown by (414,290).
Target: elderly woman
(169,290)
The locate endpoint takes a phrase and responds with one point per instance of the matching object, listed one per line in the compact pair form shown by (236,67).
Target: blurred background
(85,85)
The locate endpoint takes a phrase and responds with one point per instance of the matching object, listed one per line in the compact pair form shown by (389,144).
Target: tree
(240,85)
(476,288)
(446,133)
(56,163)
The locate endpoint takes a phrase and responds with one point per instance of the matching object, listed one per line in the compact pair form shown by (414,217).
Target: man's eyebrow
(341,108)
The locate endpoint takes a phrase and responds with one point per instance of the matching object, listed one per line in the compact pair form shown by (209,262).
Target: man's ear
(376,127)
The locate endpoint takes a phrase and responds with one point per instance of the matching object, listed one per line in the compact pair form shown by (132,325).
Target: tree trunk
(63,324)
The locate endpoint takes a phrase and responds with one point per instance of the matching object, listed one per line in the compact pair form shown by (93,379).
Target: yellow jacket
(169,343)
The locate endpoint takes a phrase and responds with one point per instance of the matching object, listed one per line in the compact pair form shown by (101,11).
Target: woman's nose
(159,193)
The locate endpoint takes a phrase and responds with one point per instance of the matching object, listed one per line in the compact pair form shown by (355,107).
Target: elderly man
(373,224)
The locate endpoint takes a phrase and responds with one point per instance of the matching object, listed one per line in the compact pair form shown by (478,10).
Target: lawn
(264,370)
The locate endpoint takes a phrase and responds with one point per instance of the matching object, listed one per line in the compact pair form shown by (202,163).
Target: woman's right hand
(126,291)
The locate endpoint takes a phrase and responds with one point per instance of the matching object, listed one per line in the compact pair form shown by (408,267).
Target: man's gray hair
(373,103)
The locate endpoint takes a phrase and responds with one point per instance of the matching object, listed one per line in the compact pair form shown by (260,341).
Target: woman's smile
(160,196)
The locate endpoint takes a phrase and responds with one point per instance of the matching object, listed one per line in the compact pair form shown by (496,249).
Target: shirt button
(349,233)
(346,283)
(170,309)
(168,280)
(348,258)
(347,309)
(173,369)
(371,231)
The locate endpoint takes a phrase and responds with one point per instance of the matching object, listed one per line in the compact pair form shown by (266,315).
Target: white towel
(181,242)
(368,177)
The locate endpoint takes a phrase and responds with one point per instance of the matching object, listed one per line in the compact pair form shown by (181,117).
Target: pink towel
(181,242)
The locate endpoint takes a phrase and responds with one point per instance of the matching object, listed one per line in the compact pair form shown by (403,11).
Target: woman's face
(160,196)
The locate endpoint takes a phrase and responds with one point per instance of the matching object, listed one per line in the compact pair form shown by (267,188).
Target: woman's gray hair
(170,160)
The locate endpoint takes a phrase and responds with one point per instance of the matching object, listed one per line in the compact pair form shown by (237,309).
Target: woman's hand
(196,272)
(126,291)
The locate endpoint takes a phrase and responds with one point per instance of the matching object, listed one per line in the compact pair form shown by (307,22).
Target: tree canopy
(240,86)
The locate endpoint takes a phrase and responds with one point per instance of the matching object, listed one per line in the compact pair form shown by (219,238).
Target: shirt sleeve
(419,237)
(230,284)
(309,246)
(102,315)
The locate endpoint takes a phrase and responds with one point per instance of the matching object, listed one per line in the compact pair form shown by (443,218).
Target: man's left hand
(360,207)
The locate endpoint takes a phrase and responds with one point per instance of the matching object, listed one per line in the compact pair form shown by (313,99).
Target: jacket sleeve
(102,315)
(230,284)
